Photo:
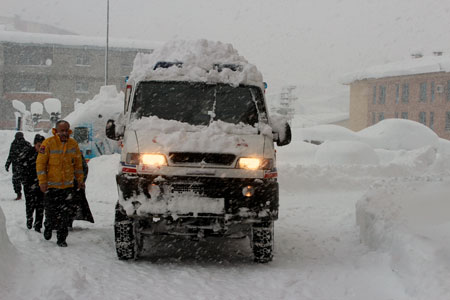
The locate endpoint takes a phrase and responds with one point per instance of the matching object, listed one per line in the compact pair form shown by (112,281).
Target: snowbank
(198,58)
(394,141)
(345,153)
(9,259)
(399,134)
(409,219)
(107,104)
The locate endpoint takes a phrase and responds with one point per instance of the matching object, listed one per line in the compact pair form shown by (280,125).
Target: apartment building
(36,66)
(417,89)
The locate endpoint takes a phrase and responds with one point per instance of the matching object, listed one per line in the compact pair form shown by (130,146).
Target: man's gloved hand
(7,168)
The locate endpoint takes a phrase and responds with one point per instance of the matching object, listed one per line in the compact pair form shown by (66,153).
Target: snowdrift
(408,218)
(9,259)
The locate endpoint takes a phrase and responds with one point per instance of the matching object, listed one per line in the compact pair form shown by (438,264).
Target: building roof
(412,66)
(73,40)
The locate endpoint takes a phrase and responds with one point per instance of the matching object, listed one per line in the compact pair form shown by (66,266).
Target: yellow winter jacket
(59,163)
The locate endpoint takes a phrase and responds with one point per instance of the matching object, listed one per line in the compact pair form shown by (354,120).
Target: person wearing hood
(57,164)
(34,198)
(16,157)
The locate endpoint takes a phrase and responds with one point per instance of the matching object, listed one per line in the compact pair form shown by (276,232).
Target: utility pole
(107,42)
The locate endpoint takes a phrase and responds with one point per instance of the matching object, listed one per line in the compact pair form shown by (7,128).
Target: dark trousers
(17,182)
(34,202)
(58,208)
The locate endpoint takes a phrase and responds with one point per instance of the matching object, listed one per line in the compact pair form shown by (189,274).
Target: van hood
(157,141)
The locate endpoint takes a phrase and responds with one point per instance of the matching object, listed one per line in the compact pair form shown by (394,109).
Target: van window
(197,103)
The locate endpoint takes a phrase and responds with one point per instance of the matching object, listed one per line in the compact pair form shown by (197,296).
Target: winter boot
(47,233)
(29,223)
(61,243)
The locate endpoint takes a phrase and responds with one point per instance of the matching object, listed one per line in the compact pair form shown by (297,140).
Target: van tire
(124,237)
(262,241)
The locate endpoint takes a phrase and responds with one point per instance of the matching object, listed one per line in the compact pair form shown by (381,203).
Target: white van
(198,155)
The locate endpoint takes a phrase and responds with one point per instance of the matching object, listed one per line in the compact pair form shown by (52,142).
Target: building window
(381,116)
(382,98)
(423,92)
(27,85)
(405,115)
(374,99)
(28,55)
(423,118)
(82,60)
(447,121)
(396,115)
(374,118)
(432,91)
(81,87)
(432,120)
(397,93)
(405,93)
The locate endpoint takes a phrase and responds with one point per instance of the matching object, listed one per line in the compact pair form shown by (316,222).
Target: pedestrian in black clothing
(16,157)
(80,208)
(34,198)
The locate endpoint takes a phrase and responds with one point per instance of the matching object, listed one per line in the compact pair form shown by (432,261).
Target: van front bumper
(261,205)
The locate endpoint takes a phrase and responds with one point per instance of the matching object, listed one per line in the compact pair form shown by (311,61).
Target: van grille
(207,158)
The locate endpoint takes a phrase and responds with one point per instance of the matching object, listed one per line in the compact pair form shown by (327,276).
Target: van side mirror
(284,137)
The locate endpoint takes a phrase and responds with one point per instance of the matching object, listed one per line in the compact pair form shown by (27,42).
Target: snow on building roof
(412,66)
(73,40)
(202,61)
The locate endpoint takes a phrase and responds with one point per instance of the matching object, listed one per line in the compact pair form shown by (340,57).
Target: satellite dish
(19,106)
(37,108)
(52,105)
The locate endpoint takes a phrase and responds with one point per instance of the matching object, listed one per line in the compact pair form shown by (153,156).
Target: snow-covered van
(198,155)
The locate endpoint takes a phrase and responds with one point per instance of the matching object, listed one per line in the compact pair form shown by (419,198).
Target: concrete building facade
(34,67)
(418,90)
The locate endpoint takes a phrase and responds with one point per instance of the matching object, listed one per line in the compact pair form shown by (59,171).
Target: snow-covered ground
(347,230)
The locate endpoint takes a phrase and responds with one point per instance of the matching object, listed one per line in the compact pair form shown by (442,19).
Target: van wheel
(124,236)
(262,241)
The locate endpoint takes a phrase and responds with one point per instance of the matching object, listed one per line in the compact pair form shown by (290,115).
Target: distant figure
(58,162)
(80,209)
(15,157)
(34,198)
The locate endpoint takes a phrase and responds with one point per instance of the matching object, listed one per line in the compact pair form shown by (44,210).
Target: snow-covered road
(318,255)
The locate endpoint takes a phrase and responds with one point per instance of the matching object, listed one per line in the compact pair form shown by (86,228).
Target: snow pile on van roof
(198,60)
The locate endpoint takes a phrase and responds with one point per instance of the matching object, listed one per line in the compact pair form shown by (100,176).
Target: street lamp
(107,42)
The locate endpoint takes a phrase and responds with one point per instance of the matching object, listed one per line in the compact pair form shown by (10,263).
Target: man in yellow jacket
(57,164)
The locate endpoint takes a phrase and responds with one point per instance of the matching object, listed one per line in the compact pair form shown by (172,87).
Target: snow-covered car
(198,155)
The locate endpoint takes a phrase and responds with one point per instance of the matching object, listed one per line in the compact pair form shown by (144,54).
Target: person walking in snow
(34,198)
(15,157)
(57,164)
(80,209)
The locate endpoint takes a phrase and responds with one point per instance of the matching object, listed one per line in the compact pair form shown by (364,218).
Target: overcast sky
(302,42)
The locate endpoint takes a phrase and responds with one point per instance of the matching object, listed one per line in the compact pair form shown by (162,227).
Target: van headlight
(154,160)
(255,163)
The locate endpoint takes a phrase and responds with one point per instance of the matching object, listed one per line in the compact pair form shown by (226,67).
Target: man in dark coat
(34,198)
(16,157)
(80,208)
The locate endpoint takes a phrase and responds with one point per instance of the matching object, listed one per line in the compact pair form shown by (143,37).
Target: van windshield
(198,103)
